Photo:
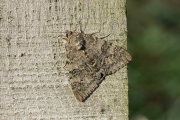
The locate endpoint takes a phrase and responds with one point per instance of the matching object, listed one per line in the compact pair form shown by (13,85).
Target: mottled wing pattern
(90,60)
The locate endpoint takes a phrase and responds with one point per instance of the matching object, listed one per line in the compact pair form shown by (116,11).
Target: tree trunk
(34,83)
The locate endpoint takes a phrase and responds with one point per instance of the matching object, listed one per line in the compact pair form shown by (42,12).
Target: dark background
(154,72)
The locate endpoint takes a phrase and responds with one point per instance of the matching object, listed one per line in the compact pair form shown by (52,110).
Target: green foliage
(154,73)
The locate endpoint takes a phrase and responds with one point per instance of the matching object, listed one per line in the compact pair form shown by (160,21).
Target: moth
(90,60)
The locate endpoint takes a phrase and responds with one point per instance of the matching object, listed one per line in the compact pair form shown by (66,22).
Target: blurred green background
(154,72)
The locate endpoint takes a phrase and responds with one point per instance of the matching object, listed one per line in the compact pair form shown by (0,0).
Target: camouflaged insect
(90,60)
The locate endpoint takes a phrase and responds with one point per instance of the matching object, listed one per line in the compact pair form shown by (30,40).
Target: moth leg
(80,25)
(65,38)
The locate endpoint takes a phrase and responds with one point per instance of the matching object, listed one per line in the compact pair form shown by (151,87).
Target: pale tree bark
(33,81)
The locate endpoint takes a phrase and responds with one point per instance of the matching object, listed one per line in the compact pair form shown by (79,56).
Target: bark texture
(33,81)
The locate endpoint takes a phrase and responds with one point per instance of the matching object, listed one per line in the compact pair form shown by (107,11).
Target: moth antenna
(104,37)
(94,33)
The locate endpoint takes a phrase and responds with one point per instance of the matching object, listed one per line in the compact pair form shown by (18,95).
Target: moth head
(76,40)
(80,42)
(68,33)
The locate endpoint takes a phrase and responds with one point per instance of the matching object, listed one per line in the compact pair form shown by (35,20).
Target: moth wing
(82,89)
